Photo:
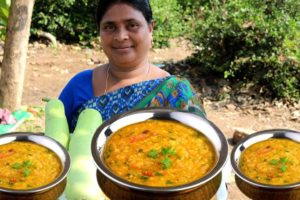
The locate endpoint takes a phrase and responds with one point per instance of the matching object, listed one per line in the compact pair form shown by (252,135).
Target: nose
(121,34)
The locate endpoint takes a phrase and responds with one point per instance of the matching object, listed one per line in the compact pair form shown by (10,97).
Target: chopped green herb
(283,168)
(165,151)
(172,152)
(152,153)
(144,178)
(16,166)
(284,159)
(166,163)
(27,163)
(158,174)
(26,172)
(169,182)
(168,150)
(273,162)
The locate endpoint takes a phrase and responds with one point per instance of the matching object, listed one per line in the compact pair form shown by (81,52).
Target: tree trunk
(15,54)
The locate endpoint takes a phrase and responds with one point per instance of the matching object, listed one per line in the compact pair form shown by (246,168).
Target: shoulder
(157,72)
(85,75)
(81,81)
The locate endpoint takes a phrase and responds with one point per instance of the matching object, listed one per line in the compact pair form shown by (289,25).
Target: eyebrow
(126,20)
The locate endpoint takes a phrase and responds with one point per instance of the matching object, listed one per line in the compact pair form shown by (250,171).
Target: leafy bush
(167,16)
(69,20)
(73,21)
(251,41)
(4,12)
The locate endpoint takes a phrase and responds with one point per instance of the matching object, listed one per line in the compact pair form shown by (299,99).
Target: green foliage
(4,12)
(167,16)
(69,20)
(73,21)
(251,41)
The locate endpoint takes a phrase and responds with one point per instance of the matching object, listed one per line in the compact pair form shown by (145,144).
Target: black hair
(142,5)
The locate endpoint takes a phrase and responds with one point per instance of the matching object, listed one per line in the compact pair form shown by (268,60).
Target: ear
(151,26)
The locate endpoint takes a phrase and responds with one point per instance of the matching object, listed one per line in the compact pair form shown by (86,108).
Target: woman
(128,81)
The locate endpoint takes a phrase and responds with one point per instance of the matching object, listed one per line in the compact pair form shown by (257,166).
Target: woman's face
(125,35)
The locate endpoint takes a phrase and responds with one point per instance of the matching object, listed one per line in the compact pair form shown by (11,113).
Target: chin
(126,62)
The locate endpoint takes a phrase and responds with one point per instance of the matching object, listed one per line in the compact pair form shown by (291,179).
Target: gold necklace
(107,76)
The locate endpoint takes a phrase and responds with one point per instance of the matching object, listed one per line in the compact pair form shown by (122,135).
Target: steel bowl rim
(58,180)
(186,187)
(273,133)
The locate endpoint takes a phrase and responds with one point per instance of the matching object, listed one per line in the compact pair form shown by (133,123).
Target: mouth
(122,47)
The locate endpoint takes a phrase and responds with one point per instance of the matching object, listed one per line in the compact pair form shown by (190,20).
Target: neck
(119,74)
(125,76)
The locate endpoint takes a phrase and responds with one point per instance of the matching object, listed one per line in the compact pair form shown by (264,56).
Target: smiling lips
(122,49)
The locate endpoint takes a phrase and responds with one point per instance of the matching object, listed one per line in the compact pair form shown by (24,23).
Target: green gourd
(56,125)
(81,180)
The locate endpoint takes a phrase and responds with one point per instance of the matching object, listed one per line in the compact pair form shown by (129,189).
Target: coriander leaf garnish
(283,168)
(26,172)
(152,153)
(166,152)
(144,178)
(166,163)
(169,182)
(283,159)
(27,163)
(172,152)
(16,165)
(273,162)
(158,174)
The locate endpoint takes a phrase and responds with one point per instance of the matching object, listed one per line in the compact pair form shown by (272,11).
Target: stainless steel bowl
(48,192)
(117,188)
(253,189)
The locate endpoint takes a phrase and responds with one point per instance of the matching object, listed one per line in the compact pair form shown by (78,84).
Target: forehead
(122,12)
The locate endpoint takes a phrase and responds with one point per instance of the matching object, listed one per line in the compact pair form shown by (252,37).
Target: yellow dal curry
(159,153)
(273,162)
(26,165)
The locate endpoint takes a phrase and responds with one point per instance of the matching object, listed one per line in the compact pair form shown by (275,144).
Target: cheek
(105,41)
(144,41)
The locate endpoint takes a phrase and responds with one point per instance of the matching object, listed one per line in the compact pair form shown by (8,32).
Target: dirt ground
(49,69)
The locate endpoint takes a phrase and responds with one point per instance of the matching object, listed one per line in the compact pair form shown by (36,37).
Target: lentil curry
(272,162)
(159,153)
(26,165)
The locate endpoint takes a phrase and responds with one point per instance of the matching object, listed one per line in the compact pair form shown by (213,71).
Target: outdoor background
(242,57)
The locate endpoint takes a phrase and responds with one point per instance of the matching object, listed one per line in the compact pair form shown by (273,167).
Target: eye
(133,26)
(108,27)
